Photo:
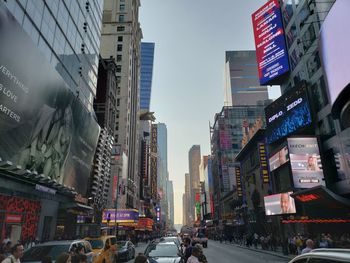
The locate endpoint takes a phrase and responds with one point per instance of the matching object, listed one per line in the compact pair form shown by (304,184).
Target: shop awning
(321,202)
(76,206)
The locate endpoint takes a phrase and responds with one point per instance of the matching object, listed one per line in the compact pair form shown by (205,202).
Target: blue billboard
(287,114)
(271,52)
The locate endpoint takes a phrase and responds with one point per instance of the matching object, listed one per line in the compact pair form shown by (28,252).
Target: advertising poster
(279,204)
(44,127)
(271,52)
(305,162)
(279,158)
(120,215)
(287,114)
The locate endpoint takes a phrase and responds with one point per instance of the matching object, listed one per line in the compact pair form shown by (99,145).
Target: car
(201,239)
(55,248)
(323,255)
(163,252)
(126,250)
(176,240)
(105,248)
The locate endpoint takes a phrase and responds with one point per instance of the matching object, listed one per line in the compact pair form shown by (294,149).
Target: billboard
(334,42)
(305,162)
(44,127)
(287,114)
(271,52)
(279,204)
(279,158)
(120,215)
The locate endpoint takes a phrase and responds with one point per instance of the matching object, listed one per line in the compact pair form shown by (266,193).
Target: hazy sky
(191,37)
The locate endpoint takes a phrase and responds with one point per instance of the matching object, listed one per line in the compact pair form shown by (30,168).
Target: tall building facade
(187,216)
(194,160)
(170,197)
(52,47)
(241,79)
(121,39)
(147,57)
(68,35)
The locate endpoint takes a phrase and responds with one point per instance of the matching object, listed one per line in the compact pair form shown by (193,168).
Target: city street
(228,253)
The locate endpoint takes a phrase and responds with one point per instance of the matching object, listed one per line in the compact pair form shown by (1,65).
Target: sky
(191,37)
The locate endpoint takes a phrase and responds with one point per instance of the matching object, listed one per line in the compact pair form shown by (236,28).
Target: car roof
(60,242)
(333,253)
(99,238)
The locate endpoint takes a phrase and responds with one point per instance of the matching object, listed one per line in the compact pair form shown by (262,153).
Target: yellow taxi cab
(105,249)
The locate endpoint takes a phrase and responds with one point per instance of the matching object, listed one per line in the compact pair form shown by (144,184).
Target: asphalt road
(226,253)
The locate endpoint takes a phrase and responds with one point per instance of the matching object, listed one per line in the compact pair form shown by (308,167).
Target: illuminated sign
(287,114)
(279,158)
(264,172)
(120,216)
(279,204)
(154,134)
(271,52)
(239,181)
(305,161)
(13,218)
(308,197)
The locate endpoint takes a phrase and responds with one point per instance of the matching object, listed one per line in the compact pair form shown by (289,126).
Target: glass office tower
(68,34)
(147,56)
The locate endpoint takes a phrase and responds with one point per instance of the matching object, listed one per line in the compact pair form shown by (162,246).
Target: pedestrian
(16,254)
(7,249)
(141,258)
(188,248)
(2,257)
(63,258)
(309,246)
(201,258)
(195,255)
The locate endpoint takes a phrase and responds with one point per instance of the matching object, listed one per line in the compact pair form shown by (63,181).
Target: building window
(122,7)
(120,38)
(119,68)
(119,47)
(120,28)
(319,94)
(121,18)
(119,58)
(118,102)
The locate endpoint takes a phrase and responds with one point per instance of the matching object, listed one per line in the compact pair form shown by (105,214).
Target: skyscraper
(241,79)
(194,160)
(147,56)
(170,197)
(68,35)
(121,38)
(162,168)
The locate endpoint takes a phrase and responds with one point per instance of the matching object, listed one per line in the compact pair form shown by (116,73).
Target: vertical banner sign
(264,172)
(114,188)
(239,181)
(271,52)
(153,159)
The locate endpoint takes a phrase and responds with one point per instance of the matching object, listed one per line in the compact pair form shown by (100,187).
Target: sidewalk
(277,253)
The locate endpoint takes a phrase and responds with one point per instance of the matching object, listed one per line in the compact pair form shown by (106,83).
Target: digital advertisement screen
(44,127)
(305,162)
(334,42)
(279,158)
(287,114)
(279,204)
(271,52)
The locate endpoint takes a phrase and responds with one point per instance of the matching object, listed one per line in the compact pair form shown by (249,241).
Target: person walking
(188,248)
(195,255)
(309,246)
(16,254)
(141,258)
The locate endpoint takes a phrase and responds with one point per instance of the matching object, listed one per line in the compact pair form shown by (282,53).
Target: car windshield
(38,252)
(121,243)
(96,243)
(162,250)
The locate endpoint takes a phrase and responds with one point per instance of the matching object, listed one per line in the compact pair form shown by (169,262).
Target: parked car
(126,250)
(163,252)
(324,255)
(105,248)
(55,248)
(201,239)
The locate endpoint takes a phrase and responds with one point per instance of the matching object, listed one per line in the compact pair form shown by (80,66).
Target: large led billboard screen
(279,158)
(305,162)
(279,204)
(334,43)
(271,52)
(287,114)
(44,127)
